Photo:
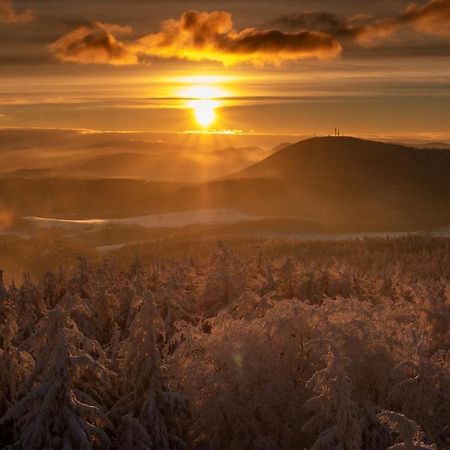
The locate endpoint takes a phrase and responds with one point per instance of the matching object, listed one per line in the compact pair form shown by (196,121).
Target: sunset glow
(371,68)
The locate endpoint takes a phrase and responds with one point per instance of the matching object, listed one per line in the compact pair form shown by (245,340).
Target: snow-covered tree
(58,410)
(181,350)
(422,392)
(148,413)
(408,434)
(335,412)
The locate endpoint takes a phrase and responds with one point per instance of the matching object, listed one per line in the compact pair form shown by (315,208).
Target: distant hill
(353,162)
(353,179)
(129,159)
(346,181)
(341,180)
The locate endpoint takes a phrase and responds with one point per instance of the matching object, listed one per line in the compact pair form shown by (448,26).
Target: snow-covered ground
(173,219)
(113,247)
(335,236)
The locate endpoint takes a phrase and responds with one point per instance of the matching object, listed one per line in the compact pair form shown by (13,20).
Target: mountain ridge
(345,159)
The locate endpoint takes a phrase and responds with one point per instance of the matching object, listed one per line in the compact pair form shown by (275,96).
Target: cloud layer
(10,16)
(211,36)
(196,36)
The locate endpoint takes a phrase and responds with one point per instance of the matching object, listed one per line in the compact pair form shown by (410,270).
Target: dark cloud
(9,15)
(341,28)
(431,18)
(94,43)
(319,21)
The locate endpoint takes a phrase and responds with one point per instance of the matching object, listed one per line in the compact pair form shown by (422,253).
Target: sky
(298,67)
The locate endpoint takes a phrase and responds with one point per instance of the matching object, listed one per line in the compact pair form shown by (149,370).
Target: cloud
(431,18)
(10,16)
(211,36)
(199,36)
(196,36)
(95,43)
(319,21)
(342,28)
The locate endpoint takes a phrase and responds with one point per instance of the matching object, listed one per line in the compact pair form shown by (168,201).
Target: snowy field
(337,236)
(171,220)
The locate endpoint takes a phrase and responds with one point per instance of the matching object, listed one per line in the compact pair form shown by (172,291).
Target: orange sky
(276,67)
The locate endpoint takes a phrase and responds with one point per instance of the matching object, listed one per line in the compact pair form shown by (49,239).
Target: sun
(204,111)
(203,100)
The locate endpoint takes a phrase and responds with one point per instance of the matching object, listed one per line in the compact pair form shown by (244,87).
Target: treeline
(259,345)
